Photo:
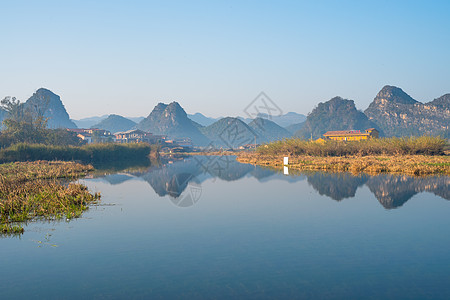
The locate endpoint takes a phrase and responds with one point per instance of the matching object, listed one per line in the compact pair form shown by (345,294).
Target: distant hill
(201,119)
(115,123)
(268,131)
(441,102)
(229,133)
(295,127)
(172,120)
(48,104)
(335,114)
(135,119)
(284,120)
(88,122)
(397,114)
(91,121)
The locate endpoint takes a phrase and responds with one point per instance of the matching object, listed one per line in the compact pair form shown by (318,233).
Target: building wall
(349,138)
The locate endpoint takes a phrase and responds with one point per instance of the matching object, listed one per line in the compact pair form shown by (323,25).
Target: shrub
(425,145)
(95,153)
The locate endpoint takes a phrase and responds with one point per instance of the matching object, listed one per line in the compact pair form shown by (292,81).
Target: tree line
(24,124)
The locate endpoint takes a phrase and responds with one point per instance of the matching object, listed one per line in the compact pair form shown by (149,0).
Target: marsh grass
(424,145)
(7,229)
(417,165)
(34,191)
(94,153)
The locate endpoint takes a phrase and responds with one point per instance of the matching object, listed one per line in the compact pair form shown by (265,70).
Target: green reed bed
(94,153)
(33,190)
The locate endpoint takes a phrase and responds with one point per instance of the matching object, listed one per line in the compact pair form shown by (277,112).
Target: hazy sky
(215,57)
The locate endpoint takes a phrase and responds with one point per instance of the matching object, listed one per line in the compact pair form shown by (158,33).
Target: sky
(215,57)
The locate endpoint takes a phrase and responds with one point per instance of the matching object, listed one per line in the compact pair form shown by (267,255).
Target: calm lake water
(212,228)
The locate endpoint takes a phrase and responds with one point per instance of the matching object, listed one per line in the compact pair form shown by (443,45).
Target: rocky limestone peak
(337,103)
(175,108)
(441,102)
(334,114)
(393,94)
(397,114)
(172,120)
(45,102)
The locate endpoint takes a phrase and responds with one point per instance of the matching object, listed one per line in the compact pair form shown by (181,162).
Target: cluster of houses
(94,135)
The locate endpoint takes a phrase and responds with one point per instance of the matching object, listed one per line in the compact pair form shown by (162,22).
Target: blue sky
(215,57)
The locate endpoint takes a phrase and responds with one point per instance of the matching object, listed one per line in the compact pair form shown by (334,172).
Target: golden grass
(31,190)
(401,164)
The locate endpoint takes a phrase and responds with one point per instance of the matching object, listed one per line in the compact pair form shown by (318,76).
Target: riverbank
(372,164)
(33,190)
(93,153)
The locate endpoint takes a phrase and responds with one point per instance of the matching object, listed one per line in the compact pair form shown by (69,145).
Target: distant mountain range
(268,131)
(284,120)
(229,132)
(393,112)
(202,119)
(92,121)
(115,123)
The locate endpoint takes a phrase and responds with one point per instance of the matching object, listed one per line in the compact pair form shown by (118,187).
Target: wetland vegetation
(92,153)
(408,155)
(34,190)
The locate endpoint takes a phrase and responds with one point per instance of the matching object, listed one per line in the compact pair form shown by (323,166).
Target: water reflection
(181,178)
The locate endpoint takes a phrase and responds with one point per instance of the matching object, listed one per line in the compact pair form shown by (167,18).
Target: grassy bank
(425,145)
(414,156)
(400,164)
(94,153)
(30,190)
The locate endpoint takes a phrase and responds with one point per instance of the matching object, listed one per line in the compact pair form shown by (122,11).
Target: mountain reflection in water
(177,177)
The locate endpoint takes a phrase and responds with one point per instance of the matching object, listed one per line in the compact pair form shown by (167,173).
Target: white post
(285,163)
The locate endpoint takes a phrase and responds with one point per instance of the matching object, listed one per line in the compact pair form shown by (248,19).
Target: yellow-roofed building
(352,135)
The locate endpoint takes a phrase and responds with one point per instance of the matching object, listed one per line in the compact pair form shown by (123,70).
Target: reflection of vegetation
(8,229)
(172,177)
(31,190)
(130,166)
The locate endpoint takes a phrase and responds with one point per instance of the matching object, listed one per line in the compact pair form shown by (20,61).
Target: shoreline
(416,165)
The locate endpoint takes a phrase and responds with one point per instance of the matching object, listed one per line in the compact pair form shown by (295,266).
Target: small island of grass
(409,155)
(33,190)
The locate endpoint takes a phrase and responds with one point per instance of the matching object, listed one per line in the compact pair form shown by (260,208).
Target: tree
(28,125)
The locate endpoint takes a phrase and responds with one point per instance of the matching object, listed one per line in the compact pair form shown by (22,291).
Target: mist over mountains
(393,112)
